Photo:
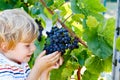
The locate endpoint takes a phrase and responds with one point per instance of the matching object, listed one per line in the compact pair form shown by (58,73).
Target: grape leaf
(94,5)
(98,16)
(97,43)
(91,21)
(57,4)
(108,64)
(64,72)
(89,76)
(107,31)
(49,2)
(47,13)
(63,11)
(94,65)
(54,18)
(7,4)
(39,46)
(80,55)
(77,17)
(75,8)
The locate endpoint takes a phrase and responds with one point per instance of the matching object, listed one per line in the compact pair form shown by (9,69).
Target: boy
(17,34)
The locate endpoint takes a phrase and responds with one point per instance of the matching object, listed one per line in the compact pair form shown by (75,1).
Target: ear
(3,46)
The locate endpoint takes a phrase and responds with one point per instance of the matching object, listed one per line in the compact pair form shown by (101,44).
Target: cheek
(22,53)
(23,50)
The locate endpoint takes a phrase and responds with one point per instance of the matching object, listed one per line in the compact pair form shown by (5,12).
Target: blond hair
(17,26)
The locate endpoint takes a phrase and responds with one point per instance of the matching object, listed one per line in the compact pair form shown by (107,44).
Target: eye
(27,45)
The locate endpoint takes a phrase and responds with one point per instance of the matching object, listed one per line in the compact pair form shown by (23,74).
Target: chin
(27,60)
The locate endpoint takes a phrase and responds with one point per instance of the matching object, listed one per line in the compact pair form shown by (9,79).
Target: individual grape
(59,40)
(40,29)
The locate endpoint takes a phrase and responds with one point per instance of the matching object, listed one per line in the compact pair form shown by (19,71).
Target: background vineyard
(85,20)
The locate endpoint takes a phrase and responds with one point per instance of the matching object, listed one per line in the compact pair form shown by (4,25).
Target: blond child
(17,34)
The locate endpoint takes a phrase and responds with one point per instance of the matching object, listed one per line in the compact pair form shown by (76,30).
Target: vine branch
(78,73)
(63,25)
(67,18)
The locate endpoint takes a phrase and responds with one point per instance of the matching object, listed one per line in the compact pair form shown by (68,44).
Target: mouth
(28,55)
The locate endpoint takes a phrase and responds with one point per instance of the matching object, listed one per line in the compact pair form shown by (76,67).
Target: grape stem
(78,73)
(63,25)
(67,18)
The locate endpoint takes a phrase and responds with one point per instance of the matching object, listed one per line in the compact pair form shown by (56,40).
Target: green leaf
(64,72)
(39,46)
(75,8)
(5,5)
(107,31)
(54,18)
(94,5)
(35,10)
(94,65)
(49,2)
(77,29)
(77,17)
(118,43)
(89,76)
(43,22)
(57,4)
(48,15)
(98,16)
(91,21)
(25,1)
(97,43)
(63,11)
(31,62)
(32,1)
(108,64)
(69,69)
(80,55)
(59,73)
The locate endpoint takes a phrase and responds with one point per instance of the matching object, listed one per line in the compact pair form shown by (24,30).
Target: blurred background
(111,6)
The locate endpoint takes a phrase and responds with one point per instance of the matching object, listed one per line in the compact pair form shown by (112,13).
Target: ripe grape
(40,28)
(58,39)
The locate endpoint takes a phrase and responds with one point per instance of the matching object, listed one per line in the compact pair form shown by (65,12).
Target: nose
(32,47)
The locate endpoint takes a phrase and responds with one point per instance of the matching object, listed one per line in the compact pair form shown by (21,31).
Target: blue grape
(60,40)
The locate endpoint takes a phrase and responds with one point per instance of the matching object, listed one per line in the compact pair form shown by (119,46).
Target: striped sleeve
(11,73)
(27,70)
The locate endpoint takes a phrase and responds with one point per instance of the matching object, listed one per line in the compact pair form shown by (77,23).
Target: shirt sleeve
(11,73)
(10,70)
(6,75)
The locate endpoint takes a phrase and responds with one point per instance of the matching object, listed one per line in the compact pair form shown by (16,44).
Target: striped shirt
(10,70)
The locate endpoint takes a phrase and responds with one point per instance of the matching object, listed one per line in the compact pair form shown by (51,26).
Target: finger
(52,55)
(57,56)
(56,66)
(55,59)
(42,54)
(61,60)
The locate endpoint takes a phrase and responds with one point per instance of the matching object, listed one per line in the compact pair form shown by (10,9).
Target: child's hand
(45,74)
(44,62)
(56,65)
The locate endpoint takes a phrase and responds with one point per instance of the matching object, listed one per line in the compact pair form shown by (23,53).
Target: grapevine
(63,25)
(83,21)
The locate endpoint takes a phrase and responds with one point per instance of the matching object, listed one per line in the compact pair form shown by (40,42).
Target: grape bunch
(58,39)
(40,29)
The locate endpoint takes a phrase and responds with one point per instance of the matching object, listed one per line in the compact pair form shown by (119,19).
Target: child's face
(22,52)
